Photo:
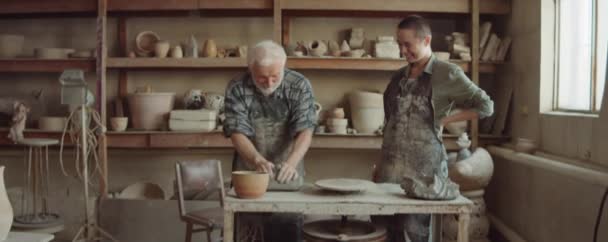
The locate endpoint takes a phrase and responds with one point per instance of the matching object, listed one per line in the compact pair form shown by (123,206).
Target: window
(582,50)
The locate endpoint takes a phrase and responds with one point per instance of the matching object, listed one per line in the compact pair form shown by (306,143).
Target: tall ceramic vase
(6,220)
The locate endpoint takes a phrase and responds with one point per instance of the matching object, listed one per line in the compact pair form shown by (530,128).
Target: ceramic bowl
(250,184)
(119,123)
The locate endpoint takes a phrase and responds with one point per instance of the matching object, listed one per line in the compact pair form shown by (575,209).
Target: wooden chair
(197,180)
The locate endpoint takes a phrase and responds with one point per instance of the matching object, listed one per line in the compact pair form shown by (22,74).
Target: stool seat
(38,142)
(28,237)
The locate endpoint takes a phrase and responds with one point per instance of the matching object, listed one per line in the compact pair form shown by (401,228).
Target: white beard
(267,91)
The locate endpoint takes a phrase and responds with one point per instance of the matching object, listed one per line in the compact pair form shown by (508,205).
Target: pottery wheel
(344,185)
(336,230)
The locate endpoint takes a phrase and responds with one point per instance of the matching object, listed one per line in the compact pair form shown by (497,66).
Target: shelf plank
(181,140)
(160,139)
(186,63)
(367,64)
(42,65)
(351,7)
(151,5)
(371,64)
(235,5)
(46,6)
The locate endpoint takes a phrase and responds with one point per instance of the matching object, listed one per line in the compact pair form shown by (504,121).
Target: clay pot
(6,220)
(344,47)
(210,49)
(367,120)
(367,111)
(143,190)
(145,42)
(11,45)
(177,52)
(474,172)
(338,113)
(317,48)
(161,49)
(87,53)
(150,111)
(52,123)
(525,145)
(250,184)
(119,123)
(337,125)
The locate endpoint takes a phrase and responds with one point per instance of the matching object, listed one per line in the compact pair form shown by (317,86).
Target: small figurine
(19,119)
(194,99)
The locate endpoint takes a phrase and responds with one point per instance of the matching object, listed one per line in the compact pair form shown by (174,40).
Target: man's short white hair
(266,53)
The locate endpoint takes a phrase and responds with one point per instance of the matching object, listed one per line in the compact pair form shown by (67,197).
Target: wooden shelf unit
(280,10)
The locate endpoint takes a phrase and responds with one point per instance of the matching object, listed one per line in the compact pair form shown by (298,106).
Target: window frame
(594,106)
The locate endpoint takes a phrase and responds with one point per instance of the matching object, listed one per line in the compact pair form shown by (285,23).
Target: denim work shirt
(450,88)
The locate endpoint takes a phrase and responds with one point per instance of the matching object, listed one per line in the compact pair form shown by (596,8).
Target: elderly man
(270,118)
(417,102)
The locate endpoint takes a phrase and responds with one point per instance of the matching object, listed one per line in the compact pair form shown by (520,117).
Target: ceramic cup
(119,123)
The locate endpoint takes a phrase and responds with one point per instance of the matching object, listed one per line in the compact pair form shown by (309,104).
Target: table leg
(228,226)
(436,227)
(463,227)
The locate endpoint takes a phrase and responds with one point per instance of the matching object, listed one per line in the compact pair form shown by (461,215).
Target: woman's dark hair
(418,24)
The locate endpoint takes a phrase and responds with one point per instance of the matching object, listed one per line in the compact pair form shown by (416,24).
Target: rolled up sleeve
(303,109)
(467,95)
(235,109)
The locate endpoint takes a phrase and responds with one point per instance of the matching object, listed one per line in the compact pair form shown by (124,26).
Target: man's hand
(263,165)
(287,173)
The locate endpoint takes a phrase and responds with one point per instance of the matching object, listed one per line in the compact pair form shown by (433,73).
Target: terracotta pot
(367,120)
(161,49)
(250,184)
(6,220)
(52,123)
(119,123)
(210,49)
(150,111)
(11,46)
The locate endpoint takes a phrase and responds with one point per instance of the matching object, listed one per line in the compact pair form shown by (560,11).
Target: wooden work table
(382,199)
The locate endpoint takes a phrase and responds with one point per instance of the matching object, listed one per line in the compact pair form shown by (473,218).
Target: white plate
(345,185)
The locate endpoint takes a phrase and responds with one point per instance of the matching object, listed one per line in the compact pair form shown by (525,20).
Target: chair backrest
(197,180)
